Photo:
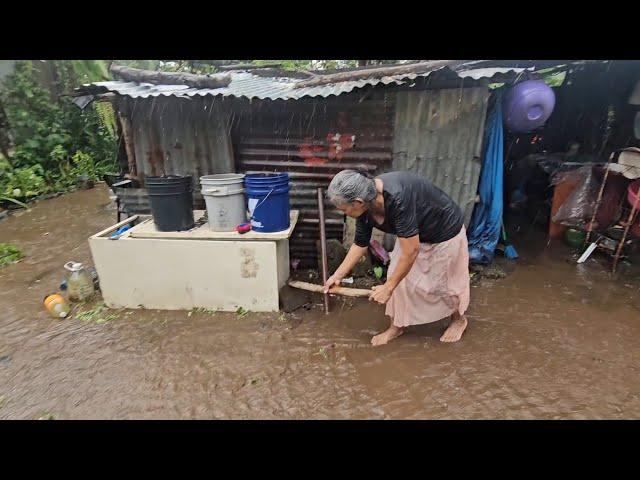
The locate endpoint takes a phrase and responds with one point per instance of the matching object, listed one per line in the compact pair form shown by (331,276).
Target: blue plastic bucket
(268,201)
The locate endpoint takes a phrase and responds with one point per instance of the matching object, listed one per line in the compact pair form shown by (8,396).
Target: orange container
(560,193)
(56,305)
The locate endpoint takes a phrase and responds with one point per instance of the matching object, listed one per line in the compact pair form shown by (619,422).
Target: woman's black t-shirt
(412,206)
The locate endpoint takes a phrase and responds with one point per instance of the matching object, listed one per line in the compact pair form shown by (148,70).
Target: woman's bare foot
(386,336)
(456,329)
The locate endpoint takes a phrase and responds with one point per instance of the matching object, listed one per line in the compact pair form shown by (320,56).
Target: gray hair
(349,185)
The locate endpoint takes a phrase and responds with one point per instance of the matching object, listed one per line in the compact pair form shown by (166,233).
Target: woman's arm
(409,247)
(354,255)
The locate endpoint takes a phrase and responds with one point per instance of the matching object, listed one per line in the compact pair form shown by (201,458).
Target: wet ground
(552,340)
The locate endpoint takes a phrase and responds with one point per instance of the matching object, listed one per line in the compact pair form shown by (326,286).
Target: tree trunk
(170,78)
(5,139)
(422,67)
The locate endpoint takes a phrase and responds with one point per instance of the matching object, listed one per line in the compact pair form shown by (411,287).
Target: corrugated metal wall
(438,133)
(178,136)
(299,137)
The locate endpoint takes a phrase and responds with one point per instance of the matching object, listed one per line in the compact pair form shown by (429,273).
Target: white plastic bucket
(224,196)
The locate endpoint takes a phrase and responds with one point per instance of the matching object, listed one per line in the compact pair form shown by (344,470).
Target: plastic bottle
(79,282)
(56,305)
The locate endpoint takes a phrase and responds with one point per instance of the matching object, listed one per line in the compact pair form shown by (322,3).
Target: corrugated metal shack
(430,122)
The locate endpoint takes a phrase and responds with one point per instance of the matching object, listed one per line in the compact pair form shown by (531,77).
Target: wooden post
(128,143)
(323,247)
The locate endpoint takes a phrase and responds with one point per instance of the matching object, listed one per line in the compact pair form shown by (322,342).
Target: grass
(9,254)
(96,314)
(241,312)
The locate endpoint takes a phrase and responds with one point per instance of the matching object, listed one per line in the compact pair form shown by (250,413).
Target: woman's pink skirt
(436,286)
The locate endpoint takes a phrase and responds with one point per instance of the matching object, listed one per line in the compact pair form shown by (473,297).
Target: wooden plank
(115,227)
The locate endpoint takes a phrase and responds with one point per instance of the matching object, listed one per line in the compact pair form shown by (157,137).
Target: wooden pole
(348,292)
(323,247)
(597,207)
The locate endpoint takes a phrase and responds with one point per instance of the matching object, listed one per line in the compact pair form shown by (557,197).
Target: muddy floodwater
(552,340)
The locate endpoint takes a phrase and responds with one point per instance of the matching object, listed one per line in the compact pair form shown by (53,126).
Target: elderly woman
(428,277)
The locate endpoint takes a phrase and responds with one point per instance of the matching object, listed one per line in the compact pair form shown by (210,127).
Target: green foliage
(555,79)
(378,272)
(25,183)
(142,64)
(55,141)
(88,71)
(9,254)
(107,118)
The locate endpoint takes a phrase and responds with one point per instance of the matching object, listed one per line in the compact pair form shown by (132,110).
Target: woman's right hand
(333,281)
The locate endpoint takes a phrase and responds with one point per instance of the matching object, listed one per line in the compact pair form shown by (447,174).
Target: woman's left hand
(381,294)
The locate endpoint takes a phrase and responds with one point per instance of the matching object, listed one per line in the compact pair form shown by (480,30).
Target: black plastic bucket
(171,200)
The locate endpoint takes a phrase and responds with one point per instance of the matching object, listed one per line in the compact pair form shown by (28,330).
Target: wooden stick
(323,247)
(171,78)
(597,207)
(348,292)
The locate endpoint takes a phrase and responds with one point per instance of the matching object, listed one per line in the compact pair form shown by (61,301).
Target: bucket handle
(261,202)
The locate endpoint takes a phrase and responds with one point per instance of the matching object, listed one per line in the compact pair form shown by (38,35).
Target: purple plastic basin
(528,105)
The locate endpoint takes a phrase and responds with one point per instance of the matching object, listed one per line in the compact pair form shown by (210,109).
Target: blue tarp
(486,223)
